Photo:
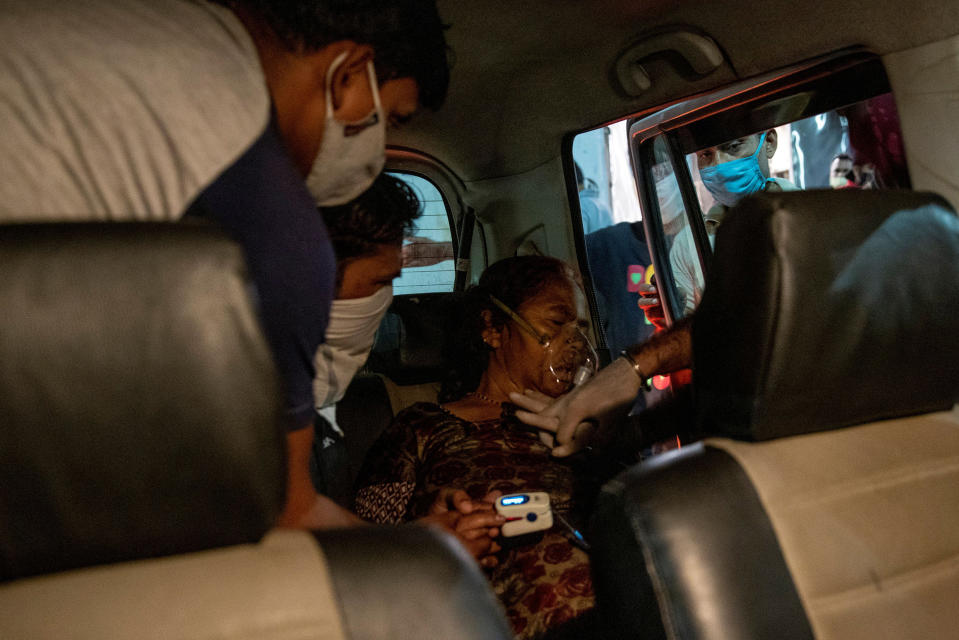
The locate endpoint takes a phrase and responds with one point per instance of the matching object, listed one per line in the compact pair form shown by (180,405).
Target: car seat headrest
(411,343)
(825,309)
(139,403)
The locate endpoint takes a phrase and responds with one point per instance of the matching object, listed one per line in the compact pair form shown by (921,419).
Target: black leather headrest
(825,309)
(139,406)
(432,588)
(411,343)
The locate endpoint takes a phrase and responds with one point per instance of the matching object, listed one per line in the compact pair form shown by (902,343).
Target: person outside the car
(842,172)
(595,214)
(730,172)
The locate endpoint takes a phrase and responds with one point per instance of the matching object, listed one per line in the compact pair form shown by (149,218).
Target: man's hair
(383,214)
(843,156)
(406,35)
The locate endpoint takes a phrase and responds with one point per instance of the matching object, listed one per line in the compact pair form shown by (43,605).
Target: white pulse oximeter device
(524,513)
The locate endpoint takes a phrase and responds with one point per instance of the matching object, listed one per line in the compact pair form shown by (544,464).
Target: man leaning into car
(246,112)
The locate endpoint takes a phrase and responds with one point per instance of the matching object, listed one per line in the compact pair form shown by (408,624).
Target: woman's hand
(474,523)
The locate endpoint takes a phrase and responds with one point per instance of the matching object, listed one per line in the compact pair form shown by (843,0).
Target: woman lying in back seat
(522,330)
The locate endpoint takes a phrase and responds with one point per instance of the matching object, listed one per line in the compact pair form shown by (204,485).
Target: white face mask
(671,206)
(838,182)
(349,338)
(351,154)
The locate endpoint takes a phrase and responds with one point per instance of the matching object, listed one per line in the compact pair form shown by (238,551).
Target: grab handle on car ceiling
(701,52)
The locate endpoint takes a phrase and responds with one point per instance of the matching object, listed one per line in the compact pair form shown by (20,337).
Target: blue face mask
(732,181)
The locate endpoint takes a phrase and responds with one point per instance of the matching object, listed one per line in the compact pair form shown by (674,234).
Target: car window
(857,146)
(616,250)
(605,186)
(428,253)
(677,230)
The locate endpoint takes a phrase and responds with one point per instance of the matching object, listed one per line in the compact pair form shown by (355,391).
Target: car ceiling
(528,73)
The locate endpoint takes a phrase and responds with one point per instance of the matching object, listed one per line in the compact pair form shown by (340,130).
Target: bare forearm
(665,352)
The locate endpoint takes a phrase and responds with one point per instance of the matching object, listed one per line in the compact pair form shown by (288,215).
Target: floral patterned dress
(543,584)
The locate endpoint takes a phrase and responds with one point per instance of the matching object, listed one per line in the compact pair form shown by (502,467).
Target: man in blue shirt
(595,214)
(618,262)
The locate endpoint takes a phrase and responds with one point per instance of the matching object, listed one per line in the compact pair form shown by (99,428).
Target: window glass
(616,248)
(428,253)
(855,147)
(604,176)
(683,258)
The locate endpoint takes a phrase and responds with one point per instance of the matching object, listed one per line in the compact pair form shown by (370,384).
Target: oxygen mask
(570,358)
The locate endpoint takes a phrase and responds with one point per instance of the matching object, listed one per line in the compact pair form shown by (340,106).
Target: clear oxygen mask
(570,357)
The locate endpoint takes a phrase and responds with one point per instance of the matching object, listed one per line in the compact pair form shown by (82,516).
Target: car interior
(194,553)
(814,495)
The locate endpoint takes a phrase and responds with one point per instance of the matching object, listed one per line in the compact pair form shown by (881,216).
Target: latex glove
(574,417)
(535,402)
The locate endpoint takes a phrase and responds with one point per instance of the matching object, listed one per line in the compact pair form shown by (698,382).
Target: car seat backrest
(272,590)
(131,359)
(411,343)
(410,582)
(141,420)
(370,403)
(826,309)
(827,334)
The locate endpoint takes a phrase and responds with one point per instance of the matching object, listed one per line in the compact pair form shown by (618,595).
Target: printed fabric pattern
(543,585)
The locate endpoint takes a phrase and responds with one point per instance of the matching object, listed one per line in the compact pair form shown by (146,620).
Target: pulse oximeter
(524,513)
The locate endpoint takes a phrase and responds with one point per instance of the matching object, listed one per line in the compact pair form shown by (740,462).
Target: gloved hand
(574,418)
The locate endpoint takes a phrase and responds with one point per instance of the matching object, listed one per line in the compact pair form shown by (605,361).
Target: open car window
(615,245)
(822,130)
(855,147)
